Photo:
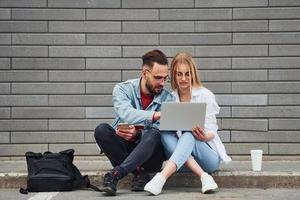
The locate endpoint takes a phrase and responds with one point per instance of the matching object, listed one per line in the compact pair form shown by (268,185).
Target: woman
(201,150)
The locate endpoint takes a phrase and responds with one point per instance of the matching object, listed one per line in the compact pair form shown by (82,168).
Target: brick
(234,51)
(21,75)
(213,63)
(195,14)
(80,149)
(244,148)
(4,63)
(284,99)
(170,51)
(4,13)
(23,26)
(271,136)
(4,137)
(48,39)
(22,125)
(48,63)
(23,100)
(122,39)
(218,87)
(23,51)
(267,112)
(5,39)
(284,3)
(266,13)
(89,137)
(284,50)
(47,137)
(245,124)
(158,27)
(20,149)
(23,3)
(4,88)
(194,39)
(130,75)
(284,149)
(114,63)
(233,75)
(76,125)
(85,27)
(230,3)
(265,63)
(284,25)
(84,51)
(47,112)
(122,14)
(84,3)
(226,99)
(284,124)
(48,88)
(157,4)
(282,75)
(80,100)
(99,88)
(231,26)
(48,14)
(100,112)
(224,136)
(265,38)
(84,76)
(4,113)
(266,87)
(224,112)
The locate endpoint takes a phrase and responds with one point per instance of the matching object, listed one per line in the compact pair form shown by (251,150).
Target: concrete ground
(167,194)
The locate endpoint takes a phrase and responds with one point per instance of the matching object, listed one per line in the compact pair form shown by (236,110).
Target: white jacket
(204,95)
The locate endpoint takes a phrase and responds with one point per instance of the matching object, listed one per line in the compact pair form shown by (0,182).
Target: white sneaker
(156,184)
(208,183)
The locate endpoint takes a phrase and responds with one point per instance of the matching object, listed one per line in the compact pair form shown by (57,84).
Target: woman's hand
(129,133)
(199,134)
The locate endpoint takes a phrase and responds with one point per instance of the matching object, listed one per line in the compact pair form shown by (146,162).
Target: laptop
(181,116)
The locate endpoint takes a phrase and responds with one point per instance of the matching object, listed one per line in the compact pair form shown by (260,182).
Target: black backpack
(54,172)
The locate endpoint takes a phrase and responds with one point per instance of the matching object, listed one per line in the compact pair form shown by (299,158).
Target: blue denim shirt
(128,106)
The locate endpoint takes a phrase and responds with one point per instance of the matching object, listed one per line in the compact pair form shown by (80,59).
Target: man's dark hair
(154,56)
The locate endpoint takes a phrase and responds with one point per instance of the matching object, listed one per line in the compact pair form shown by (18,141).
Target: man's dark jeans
(148,152)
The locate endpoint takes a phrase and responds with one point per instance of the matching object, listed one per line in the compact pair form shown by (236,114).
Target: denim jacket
(128,107)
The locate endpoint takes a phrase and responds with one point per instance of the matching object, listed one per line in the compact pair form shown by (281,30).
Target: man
(137,147)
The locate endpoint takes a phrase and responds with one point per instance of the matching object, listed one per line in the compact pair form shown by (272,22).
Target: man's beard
(152,90)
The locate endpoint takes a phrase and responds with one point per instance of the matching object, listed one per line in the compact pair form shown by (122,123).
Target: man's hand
(156,116)
(128,133)
(199,134)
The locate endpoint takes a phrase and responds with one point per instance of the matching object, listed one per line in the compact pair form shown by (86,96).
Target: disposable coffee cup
(256,159)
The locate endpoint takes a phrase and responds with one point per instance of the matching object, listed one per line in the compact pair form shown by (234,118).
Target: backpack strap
(85,183)
(23,191)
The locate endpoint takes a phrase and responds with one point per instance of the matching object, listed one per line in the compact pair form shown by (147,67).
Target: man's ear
(144,69)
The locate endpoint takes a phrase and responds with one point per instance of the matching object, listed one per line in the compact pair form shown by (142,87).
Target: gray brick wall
(59,60)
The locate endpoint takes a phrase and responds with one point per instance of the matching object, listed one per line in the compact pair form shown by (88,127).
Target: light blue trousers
(179,150)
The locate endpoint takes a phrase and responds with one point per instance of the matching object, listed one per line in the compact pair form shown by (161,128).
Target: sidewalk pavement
(167,194)
(277,172)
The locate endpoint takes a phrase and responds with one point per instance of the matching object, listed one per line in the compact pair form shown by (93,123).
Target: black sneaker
(139,181)
(110,184)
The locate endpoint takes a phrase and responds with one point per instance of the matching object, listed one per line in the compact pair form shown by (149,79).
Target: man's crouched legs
(145,156)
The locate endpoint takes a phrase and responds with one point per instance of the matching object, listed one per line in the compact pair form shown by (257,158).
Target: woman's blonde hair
(187,59)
